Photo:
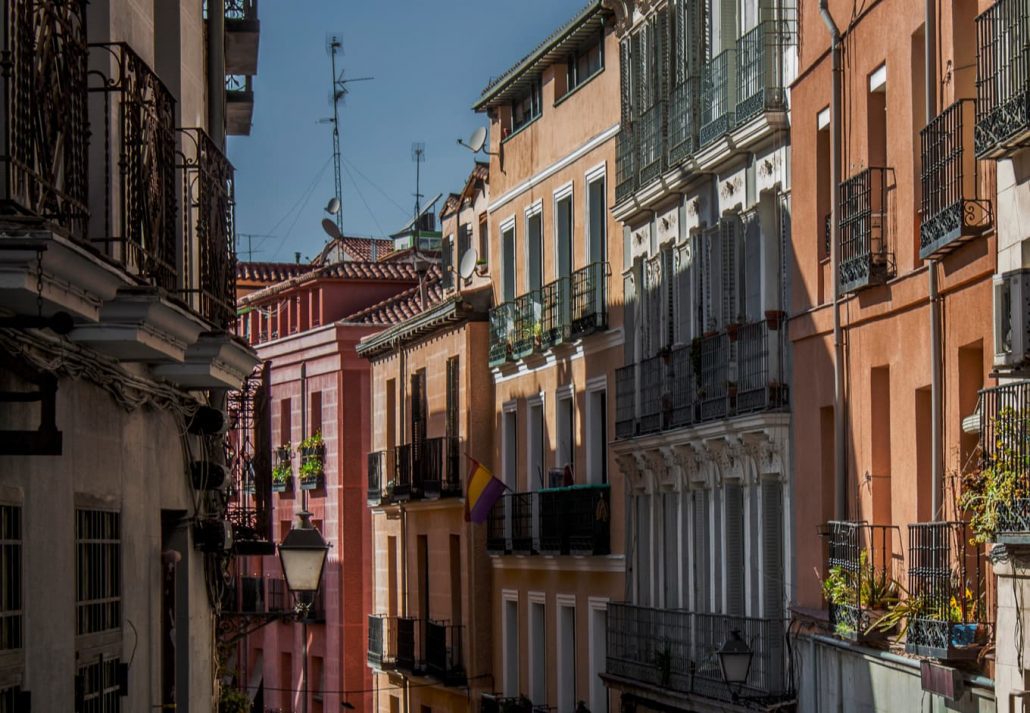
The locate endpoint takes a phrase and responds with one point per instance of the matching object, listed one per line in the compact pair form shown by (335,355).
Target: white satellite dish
(331,229)
(333,206)
(468,264)
(477,140)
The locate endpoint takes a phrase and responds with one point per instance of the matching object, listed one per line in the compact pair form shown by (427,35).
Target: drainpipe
(216,72)
(840,462)
(936,465)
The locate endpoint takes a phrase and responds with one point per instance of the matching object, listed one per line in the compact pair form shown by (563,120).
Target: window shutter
(508,239)
(702,576)
(734,542)
(663,53)
(709,277)
(452,397)
(625,81)
(751,272)
(771,533)
(728,273)
(631,293)
(637,44)
(668,296)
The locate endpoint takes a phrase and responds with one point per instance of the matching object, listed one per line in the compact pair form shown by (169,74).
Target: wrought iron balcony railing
(1005,446)
(209,221)
(409,645)
(1002,78)
(554,307)
(952,210)
(650,133)
(404,466)
(625,164)
(718,97)
(572,520)
(438,467)
(676,649)
(502,333)
(45,133)
(625,401)
(760,379)
(444,659)
(866,229)
(382,641)
(138,128)
(589,292)
(680,389)
(713,376)
(859,560)
(760,82)
(528,327)
(241,9)
(377,478)
(651,379)
(946,580)
(428,469)
(684,119)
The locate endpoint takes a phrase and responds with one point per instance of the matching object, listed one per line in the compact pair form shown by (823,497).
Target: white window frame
(503,227)
(533,209)
(562,657)
(597,659)
(537,599)
(510,657)
(596,384)
(533,459)
(565,191)
(597,173)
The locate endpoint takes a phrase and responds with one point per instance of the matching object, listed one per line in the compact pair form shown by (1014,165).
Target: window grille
(10,578)
(12,700)
(98,565)
(97,687)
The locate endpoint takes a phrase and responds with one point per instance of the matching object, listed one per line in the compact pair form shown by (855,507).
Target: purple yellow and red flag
(483,491)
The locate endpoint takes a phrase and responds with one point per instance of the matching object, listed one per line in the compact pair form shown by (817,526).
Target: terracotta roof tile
(400,307)
(269,271)
(357,248)
(357,271)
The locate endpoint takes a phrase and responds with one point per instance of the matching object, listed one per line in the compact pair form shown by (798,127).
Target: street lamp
(735,662)
(302,554)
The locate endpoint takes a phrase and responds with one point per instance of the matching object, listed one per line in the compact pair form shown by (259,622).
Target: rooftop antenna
(339,91)
(418,155)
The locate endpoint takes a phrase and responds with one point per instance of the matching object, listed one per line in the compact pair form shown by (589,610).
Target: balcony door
(563,256)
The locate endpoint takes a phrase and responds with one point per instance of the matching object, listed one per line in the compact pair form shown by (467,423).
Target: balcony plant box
(312,462)
(282,473)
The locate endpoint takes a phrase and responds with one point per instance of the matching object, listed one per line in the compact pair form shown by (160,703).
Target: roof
(357,271)
(478,177)
(557,45)
(358,248)
(401,306)
(269,271)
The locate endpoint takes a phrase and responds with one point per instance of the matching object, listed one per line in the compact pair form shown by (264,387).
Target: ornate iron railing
(444,658)
(676,649)
(1005,446)
(713,377)
(409,644)
(497,527)
(382,641)
(625,401)
(528,327)
(718,97)
(241,9)
(523,534)
(248,449)
(554,299)
(859,558)
(951,208)
(502,333)
(1002,78)
(139,228)
(45,131)
(650,134)
(210,230)
(438,468)
(652,372)
(684,118)
(625,165)
(760,382)
(575,520)
(866,229)
(404,466)
(946,582)
(760,82)
(589,288)
(679,389)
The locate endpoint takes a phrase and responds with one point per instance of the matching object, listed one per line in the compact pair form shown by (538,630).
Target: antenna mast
(339,91)
(418,155)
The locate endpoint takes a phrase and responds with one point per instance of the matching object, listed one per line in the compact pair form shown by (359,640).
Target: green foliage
(987,494)
(233,701)
(312,441)
(283,469)
(312,451)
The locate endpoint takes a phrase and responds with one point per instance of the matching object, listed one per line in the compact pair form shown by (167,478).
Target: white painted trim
(535,209)
(536,399)
(822,119)
(565,659)
(614,564)
(607,340)
(536,599)
(508,222)
(565,600)
(597,383)
(566,391)
(510,405)
(561,194)
(558,165)
(598,171)
(509,595)
(563,191)
(878,78)
(595,668)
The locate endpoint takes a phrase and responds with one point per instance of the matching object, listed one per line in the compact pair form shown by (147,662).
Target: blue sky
(430,61)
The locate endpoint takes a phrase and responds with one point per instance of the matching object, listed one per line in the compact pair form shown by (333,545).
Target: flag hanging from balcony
(483,491)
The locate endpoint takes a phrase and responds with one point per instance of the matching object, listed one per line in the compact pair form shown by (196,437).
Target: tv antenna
(339,91)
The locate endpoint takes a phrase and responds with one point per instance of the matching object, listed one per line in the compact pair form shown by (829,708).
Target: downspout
(216,72)
(840,462)
(936,464)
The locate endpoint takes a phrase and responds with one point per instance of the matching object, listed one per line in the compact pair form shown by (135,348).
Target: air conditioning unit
(1012,319)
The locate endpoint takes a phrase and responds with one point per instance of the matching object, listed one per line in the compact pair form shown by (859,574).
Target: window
(447,262)
(598,630)
(527,107)
(13,700)
(510,445)
(464,240)
(285,426)
(566,654)
(565,447)
(597,436)
(538,649)
(455,557)
(535,250)
(508,249)
(596,225)
(452,397)
(97,687)
(315,419)
(10,578)
(510,642)
(733,538)
(484,238)
(585,63)
(317,677)
(98,593)
(563,232)
(535,471)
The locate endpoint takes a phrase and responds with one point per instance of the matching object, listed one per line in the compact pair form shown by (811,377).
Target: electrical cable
(372,183)
(303,198)
(363,201)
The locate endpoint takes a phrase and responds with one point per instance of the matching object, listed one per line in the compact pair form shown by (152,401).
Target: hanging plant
(987,495)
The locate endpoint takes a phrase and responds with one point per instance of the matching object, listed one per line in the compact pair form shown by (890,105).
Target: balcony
(684,117)
(650,146)
(721,375)
(718,97)
(859,582)
(409,645)
(380,489)
(567,308)
(1005,446)
(573,520)
(1002,79)
(496,703)
(239,104)
(242,32)
(426,470)
(866,229)
(951,209)
(676,650)
(760,81)
(138,143)
(946,578)
(444,659)
(440,465)
(625,165)
(382,641)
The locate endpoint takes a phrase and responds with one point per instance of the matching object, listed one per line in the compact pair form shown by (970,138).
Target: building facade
(117,303)
(895,231)
(556,333)
(702,403)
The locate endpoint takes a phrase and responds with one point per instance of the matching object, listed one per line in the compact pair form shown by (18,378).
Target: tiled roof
(269,271)
(350,270)
(357,248)
(401,306)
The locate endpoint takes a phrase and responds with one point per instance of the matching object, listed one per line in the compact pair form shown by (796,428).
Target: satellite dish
(333,206)
(468,264)
(477,140)
(331,229)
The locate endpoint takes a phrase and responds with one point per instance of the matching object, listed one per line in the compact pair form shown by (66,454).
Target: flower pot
(283,486)
(774,317)
(311,483)
(731,331)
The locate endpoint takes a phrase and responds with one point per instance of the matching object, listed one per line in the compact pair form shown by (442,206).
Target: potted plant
(538,332)
(312,461)
(731,331)
(282,472)
(988,494)
(233,700)
(481,267)
(869,595)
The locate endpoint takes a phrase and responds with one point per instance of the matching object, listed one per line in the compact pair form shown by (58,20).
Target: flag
(483,491)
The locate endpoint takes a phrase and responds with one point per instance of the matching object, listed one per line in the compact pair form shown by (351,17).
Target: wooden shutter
(626,81)
(728,272)
(734,543)
(452,396)
(771,533)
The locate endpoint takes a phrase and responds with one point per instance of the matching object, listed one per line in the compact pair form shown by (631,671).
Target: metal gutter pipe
(840,461)
(216,72)
(936,464)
